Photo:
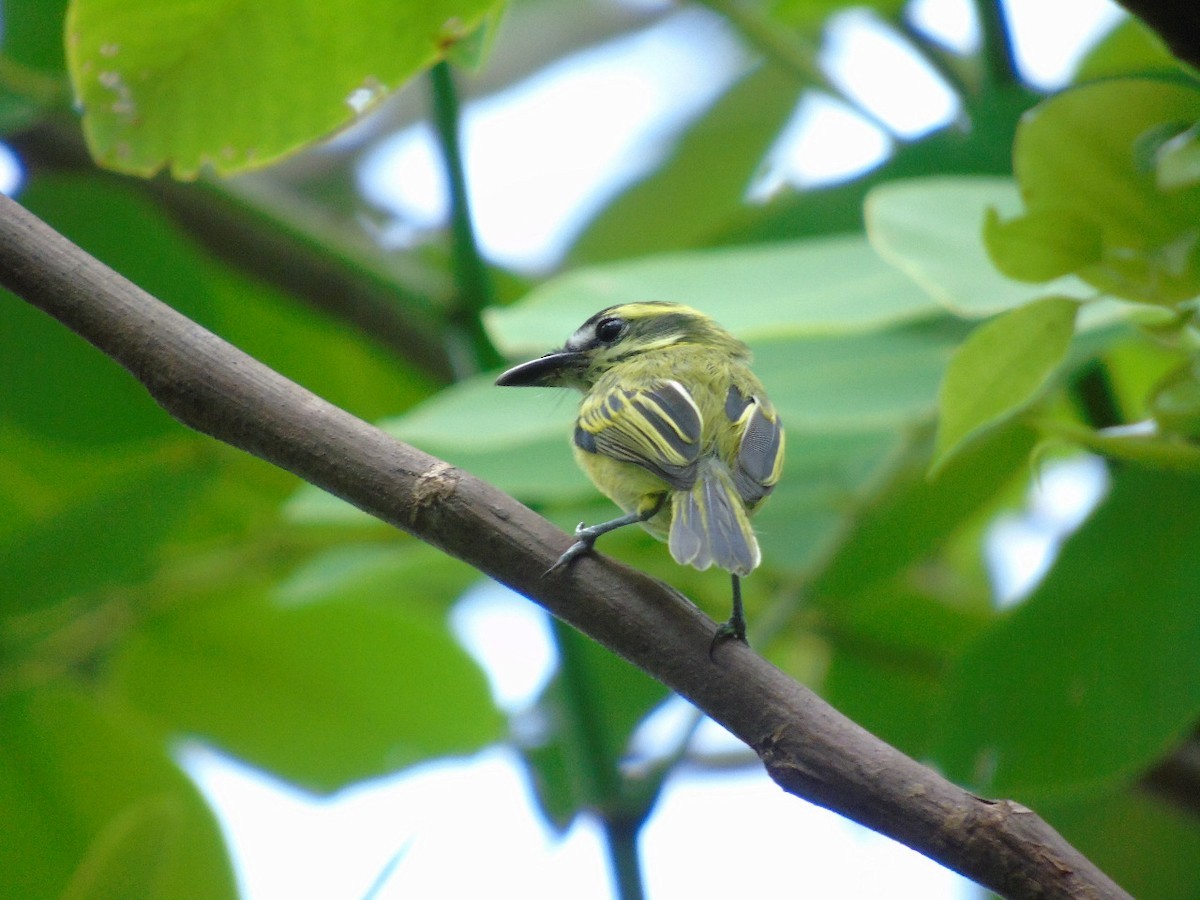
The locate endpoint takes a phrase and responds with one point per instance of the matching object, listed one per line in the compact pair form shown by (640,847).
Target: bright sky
(610,105)
(468,827)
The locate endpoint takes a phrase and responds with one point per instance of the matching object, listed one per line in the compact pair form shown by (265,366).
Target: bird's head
(617,334)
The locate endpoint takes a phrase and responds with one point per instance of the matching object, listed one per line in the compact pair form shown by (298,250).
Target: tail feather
(709,525)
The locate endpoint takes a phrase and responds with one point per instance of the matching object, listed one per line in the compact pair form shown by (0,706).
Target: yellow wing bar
(657,427)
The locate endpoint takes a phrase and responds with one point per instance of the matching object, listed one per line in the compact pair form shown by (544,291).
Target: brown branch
(808,747)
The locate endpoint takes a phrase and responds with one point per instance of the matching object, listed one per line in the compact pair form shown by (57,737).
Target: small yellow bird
(674,428)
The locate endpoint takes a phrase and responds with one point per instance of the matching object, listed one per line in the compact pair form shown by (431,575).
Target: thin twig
(475,292)
(997,54)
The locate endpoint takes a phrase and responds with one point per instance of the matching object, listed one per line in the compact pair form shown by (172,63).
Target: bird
(675,429)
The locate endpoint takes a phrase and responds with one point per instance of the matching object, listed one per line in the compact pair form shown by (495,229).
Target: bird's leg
(587,534)
(736,626)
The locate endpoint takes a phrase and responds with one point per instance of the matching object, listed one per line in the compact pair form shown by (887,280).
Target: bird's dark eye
(608,330)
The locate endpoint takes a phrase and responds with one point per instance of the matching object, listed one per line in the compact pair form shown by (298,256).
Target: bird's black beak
(552,370)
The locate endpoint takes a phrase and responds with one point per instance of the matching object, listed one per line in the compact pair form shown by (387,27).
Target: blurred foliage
(997,293)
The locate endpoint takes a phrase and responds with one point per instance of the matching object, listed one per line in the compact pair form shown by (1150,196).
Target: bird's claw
(586,539)
(734,629)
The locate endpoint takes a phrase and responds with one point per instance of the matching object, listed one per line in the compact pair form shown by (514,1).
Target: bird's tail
(709,525)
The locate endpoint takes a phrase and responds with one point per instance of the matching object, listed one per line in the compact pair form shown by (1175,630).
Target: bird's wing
(759,460)
(657,427)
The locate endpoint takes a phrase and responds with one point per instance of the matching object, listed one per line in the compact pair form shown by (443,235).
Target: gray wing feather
(757,464)
(709,526)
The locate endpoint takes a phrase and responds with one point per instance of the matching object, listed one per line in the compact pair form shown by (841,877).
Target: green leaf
(33,33)
(477,415)
(890,650)
(1144,843)
(916,515)
(110,539)
(17,110)
(60,386)
(238,85)
(1097,674)
(1077,153)
(125,858)
(94,807)
(371,572)
(514,439)
(323,694)
(472,51)
(1165,452)
(857,382)
(932,229)
(281,331)
(823,478)
(813,287)
(550,776)
(1001,368)
(890,642)
(1041,246)
(1129,49)
(809,13)
(1175,403)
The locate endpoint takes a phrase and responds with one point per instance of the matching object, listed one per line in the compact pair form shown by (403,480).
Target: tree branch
(808,747)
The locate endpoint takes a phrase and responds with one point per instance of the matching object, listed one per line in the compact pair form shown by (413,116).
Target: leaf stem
(996,51)
(621,816)
(583,721)
(621,840)
(470,348)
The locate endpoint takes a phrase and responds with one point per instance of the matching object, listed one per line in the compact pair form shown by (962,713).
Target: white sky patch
(510,639)
(468,828)
(1048,56)
(458,828)
(877,69)
(760,842)
(824,141)
(949,21)
(544,155)
(12,173)
(1021,547)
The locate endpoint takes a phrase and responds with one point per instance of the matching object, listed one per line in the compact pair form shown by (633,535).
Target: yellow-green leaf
(237,85)
(1000,369)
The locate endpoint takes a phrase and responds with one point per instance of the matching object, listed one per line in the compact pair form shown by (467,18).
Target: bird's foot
(587,538)
(734,629)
